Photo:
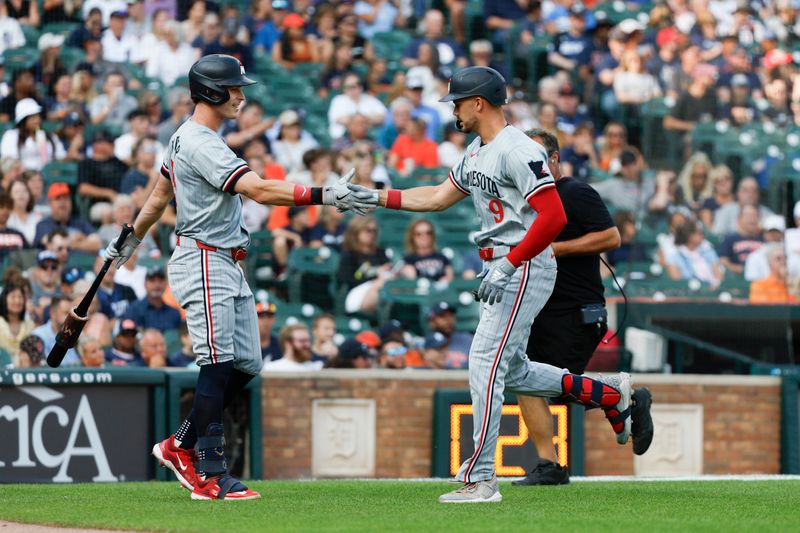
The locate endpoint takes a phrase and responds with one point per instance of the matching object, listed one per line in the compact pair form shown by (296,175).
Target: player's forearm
(153,209)
(274,192)
(591,243)
(421,199)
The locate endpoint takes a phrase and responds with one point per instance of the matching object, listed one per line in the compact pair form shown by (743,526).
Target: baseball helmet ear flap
(212,75)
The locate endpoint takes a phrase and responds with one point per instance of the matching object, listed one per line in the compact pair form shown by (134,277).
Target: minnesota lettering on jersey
(483,182)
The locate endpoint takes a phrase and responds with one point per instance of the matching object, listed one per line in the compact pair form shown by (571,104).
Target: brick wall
(741,420)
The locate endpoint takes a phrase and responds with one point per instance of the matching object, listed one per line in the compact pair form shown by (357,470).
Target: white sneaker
(624,384)
(479,492)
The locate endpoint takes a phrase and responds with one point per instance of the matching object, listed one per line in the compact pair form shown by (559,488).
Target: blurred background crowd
(684,114)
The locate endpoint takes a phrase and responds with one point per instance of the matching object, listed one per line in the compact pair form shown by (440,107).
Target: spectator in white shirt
(290,145)
(27,142)
(138,127)
(353,100)
(118,47)
(174,58)
(756,266)
(106,7)
(11,35)
(295,341)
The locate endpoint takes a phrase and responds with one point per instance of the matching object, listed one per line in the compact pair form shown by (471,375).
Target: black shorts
(560,338)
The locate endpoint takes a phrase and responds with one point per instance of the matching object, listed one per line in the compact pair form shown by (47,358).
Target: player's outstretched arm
(420,199)
(277,192)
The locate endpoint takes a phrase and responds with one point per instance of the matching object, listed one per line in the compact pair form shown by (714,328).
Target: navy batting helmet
(477,81)
(210,77)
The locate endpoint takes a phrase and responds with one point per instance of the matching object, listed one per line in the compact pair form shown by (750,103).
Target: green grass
(407,506)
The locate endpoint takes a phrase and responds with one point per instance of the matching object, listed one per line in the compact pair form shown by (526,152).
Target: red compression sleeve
(549,222)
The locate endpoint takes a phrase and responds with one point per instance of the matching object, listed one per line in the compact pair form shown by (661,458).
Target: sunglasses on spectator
(371,230)
(423,232)
(396,352)
(50,266)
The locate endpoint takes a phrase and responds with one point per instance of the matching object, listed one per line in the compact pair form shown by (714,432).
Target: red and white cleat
(222,487)
(179,460)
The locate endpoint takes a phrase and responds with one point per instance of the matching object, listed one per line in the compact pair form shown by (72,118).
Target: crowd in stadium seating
(684,115)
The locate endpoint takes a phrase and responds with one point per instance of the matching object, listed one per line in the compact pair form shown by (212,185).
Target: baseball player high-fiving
(506,175)
(205,177)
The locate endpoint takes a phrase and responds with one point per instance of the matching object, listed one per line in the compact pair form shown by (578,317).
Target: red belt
(494,252)
(237,254)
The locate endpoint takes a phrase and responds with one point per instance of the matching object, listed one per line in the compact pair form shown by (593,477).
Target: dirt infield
(15,527)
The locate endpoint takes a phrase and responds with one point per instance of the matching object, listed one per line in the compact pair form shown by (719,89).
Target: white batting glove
(495,279)
(339,195)
(363,197)
(128,248)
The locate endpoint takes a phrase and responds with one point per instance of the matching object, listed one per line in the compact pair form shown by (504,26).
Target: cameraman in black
(573,321)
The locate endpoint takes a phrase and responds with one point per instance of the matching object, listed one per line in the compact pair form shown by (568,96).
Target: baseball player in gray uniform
(206,178)
(506,174)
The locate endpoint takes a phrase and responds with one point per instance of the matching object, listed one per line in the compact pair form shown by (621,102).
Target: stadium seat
(407,300)
(62,28)
(172,338)
(390,44)
(5,359)
(311,276)
(20,58)
(63,171)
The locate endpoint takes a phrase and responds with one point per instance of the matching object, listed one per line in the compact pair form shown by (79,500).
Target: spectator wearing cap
(413,149)
(629,190)
(81,233)
(353,100)
(14,324)
(422,259)
(415,86)
(375,16)
(49,65)
(393,335)
(323,330)
(91,352)
(153,348)
(227,44)
(756,266)
(69,277)
(270,31)
(60,307)
(450,52)
(138,129)
(112,107)
(45,277)
(664,63)
(11,35)
(270,345)
(174,57)
(570,114)
(741,109)
(118,46)
(291,144)
(123,351)
(352,354)
(114,297)
(295,341)
(23,86)
(571,50)
(104,7)
(27,142)
(294,45)
(442,321)
(100,177)
(151,311)
(250,124)
(10,239)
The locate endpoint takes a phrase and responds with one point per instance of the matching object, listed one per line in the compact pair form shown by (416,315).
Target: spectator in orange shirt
(772,289)
(413,149)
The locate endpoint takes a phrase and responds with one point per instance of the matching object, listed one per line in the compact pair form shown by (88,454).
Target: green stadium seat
(5,359)
(71,56)
(312,275)
(172,338)
(390,44)
(62,28)
(63,171)
(31,34)
(20,58)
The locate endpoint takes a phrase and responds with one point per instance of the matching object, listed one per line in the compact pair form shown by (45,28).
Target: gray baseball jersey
(501,177)
(200,165)
(210,285)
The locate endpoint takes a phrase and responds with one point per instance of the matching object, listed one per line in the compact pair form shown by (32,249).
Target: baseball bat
(73,325)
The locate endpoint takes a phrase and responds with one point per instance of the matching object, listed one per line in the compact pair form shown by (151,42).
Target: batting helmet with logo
(210,77)
(478,81)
